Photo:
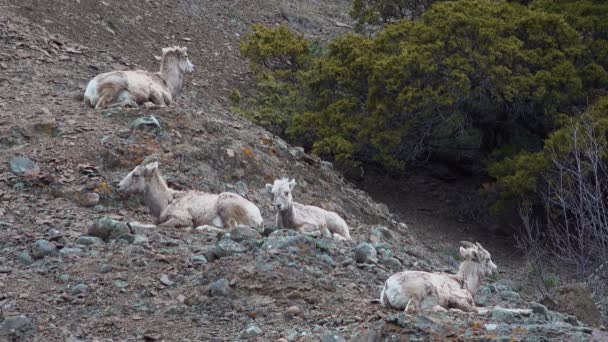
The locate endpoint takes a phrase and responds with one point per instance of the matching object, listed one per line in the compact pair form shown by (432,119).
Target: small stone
(140,239)
(294,311)
(227,247)
(490,327)
(503,315)
(332,338)
(89,199)
(15,326)
(25,258)
(71,251)
(242,233)
(165,280)
(364,253)
(121,284)
(43,248)
(108,229)
(89,241)
(509,295)
(64,278)
(540,310)
(230,152)
(219,288)
(105,268)
(198,259)
(391,263)
(251,332)
(148,124)
(22,166)
(327,259)
(79,289)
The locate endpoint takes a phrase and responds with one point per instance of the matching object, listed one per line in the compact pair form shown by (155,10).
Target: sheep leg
(156,97)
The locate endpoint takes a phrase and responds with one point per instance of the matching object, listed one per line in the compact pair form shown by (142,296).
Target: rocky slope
(72,269)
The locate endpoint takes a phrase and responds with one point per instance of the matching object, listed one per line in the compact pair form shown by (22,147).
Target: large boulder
(574,299)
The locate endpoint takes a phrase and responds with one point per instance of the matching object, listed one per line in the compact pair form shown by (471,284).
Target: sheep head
(477,254)
(177,55)
(135,182)
(281,192)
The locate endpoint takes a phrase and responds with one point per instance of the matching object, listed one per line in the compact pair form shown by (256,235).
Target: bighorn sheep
(133,88)
(440,291)
(188,208)
(304,218)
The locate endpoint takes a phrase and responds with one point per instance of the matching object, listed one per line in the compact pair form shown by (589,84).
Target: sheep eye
(135,175)
(286,193)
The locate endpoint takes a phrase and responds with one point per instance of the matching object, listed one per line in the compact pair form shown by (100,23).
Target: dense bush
(377,12)
(470,75)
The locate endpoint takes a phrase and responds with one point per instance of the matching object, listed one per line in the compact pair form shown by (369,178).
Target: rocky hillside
(78,262)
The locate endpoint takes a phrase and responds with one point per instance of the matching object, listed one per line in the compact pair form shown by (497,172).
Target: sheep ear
(150,168)
(165,51)
(465,253)
(269,187)
(184,49)
(474,255)
(292,184)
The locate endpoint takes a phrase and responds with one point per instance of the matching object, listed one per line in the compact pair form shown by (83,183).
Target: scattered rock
(108,229)
(226,247)
(89,199)
(391,263)
(25,258)
(105,268)
(148,124)
(16,326)
(219,288)
(503,315)
(540,310)
(365,253)
(71,251)
(198,259)
(380,234)
(43,248)
(22,166)
(89,241)
(121,284)
(332,338)
(242,233)
(294,311)
(251,332)
(509,295)
(79,289)
(165,280)
(44,124)
(64,278)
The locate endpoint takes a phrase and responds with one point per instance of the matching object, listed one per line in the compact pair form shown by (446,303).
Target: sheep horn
(468,244)
(149,159)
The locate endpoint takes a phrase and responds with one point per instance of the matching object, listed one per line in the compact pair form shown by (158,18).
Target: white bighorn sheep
(191,208)
(136,87)
(439,291)
(306,219)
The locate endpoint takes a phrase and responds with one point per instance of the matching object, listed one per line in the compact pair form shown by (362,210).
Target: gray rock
(227,247)
(148,124)
(121,284)
(391,263)
(509,295)
(71,251)
(79,289)
(332,338)
(251,332)
(43,248)
(89,241)
(108,229)
(25,258)
(540,310)
(198,259)
(18,326)
(64,278)
(165,280)
(140,239)
(242,233)
(128,238)
(219,288)
(503,315)
(326,259)
(380,234)
(365,253)
(22,166)
(89,199)
(105,268)
(294,239)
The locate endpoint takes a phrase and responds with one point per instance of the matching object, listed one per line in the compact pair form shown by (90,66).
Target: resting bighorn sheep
(133,88)
(304,218)
(188,208)
(439,291)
